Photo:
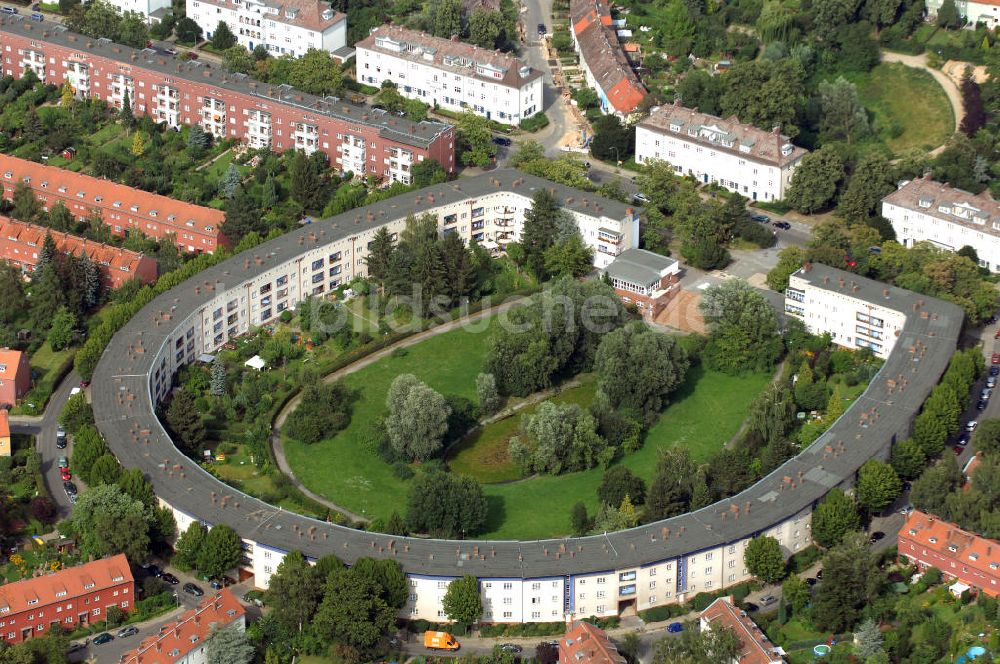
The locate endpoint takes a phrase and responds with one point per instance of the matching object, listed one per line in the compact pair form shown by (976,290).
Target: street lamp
(618,159)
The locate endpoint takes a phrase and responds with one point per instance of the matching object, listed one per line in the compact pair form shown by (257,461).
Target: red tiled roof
(975,559)
(586,644)
(187,217)
(10,362)
(307,13)
(14,233)
(74,581)
(756,647)
(603,55)
(189,632)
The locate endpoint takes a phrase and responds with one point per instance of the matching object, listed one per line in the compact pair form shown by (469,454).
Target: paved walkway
(276,445)
(950,89)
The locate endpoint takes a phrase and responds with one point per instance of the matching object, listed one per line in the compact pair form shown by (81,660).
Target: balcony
(610,236)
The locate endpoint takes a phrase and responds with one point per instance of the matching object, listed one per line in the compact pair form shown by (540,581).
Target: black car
(61,443)
(500,140)
(192,589)
(981,405)
(750,607)
(876,536)
(541,29)
(783,225)
(170,578)
(819,574)
(510,647)
(994,370)
(152,570)
(70,488)
(103,638)
(963,438)
(811,581)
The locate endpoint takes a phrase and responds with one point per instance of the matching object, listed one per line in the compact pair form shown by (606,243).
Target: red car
(65,474)
(996,358)
(958,449)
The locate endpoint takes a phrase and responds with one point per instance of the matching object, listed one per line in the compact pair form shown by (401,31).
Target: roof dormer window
(135,208)
(932,540)
(98,199)
(117,204)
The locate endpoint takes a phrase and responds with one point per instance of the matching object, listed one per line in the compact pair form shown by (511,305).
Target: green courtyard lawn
(343,469)
(911,109)
(704,415)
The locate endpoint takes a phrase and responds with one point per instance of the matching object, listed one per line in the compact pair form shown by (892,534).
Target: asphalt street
(43,428)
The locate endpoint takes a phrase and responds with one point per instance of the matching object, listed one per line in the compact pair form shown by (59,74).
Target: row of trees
(212,552)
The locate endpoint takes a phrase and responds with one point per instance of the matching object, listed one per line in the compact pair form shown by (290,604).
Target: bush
(535,122)
(402,470)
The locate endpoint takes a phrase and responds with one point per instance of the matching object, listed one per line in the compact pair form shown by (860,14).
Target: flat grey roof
(401,130)
(125,415)
(639,266)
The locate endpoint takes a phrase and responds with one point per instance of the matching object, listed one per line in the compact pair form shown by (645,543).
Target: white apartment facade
(283,27)
(923,210)
(145,7)
(752,162)
(986,12)
(856,313)
(450,74)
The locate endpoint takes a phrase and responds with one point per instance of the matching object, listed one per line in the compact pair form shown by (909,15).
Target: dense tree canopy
(743,328)
(445,505)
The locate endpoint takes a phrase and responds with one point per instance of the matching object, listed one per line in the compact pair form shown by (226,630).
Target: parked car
(76,646)
(981,405)
(152,570)
(60,442)
(36,17)
(986,394)
(964,437)
(760,218)
(991,381)
(997,334)
(876,536)
(971,425)
(65,475)
(675,627)
(70,488)
(500,140)
(63,462)
(224,582)
(127,631)
(643,199)
(995,359)
(768,600)
(37,7)
(810,581)
(192,589)
(750,607)
(995,371)
(102,638)
(8,10)
(170,578)
(511,648)
(541,29)
(783,225)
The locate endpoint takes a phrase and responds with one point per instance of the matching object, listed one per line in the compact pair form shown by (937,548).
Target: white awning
(256,362)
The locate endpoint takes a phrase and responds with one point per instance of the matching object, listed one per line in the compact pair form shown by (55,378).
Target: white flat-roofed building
(145,7)
(283,27)
(450,74)
(923,210)
(855,311)
(750,161)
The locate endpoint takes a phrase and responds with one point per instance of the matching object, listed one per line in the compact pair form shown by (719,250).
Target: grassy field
(705,413)
(47,367)
(911,110)
(483,454)
(341,468)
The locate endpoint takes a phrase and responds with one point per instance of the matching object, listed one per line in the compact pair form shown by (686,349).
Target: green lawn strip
(483,454)
(47,367)
(341,469)
(909,100)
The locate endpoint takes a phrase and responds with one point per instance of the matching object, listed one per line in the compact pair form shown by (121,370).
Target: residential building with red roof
(15,376)
(283,27)
(5,444)
(927,541)
(605,65)
(20,243)
(173,90)
(197,229)
(757,648)
(451,74)
(586,644)
(67,599)
(754,162)
(185,641)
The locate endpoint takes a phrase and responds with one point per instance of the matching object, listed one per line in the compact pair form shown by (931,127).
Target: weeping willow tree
(776,20)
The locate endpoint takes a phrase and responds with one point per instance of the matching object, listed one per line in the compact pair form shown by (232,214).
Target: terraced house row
(195,228)
(521,581)
(357,138)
